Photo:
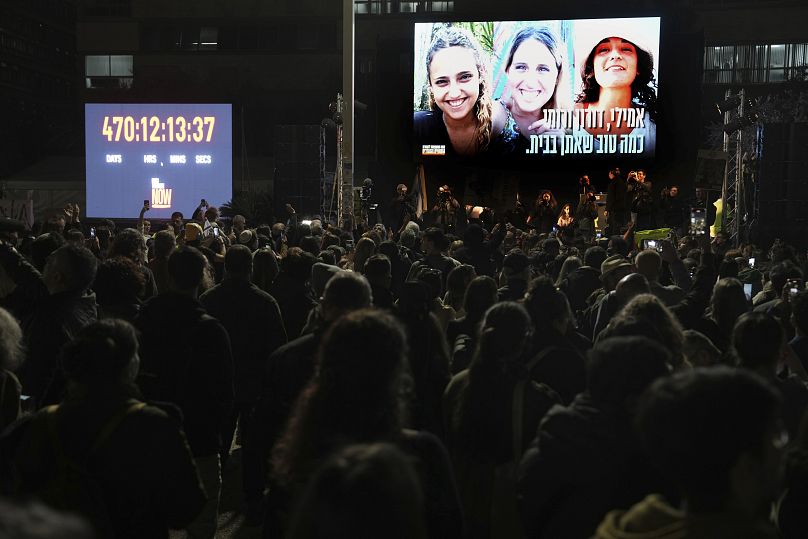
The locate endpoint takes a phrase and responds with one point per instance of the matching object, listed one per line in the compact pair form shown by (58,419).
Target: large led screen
(533,90)
(172,155)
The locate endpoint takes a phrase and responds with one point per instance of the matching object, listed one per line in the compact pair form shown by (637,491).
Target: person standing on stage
(402,208)
(543,216)
(673,209)
(446,210)
(616,202)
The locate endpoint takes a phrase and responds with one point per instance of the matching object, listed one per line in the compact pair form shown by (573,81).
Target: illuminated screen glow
(532,90)
(173,155)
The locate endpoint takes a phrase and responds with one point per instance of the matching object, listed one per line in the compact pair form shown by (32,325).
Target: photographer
(402,209)
(585,215)
(617,199)
(446,212)
(673,209)
(643,207)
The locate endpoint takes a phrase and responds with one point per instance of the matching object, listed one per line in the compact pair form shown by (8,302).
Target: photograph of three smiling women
(482,88)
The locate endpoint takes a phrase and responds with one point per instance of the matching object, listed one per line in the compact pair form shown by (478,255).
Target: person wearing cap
(614,58)
(193,234)
(612,270)
(515,274)
(247,237)
(536,72)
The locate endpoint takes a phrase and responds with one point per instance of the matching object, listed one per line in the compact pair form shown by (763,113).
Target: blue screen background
(117,190)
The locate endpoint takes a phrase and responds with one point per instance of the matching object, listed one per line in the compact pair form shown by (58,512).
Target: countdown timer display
(172,155)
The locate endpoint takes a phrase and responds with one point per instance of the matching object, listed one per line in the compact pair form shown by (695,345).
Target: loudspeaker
(783,184)
(297,163)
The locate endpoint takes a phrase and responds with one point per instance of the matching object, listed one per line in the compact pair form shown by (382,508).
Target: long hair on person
(548,38)
(571,263)
(643,88)
(727,304)
(553,201)
(483,108)
(481,294)
(354,396)
(494,371)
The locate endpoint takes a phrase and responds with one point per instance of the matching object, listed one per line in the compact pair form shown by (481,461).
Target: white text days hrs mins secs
(174,159)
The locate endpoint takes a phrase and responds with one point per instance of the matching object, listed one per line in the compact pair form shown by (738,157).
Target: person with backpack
(102,453)
(187,360)
(492,411)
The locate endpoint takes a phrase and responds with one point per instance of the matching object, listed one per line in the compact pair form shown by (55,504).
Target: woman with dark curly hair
(459,100)
(358,395)
(543,216)
(617,72)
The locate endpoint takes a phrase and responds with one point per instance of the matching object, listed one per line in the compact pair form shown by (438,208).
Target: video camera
(367,190)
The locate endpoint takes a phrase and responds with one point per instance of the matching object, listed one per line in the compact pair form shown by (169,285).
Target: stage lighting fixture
(728,104)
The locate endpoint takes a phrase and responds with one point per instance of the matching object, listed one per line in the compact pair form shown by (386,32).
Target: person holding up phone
(143,226)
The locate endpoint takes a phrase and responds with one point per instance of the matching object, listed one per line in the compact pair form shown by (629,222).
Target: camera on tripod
(365,193)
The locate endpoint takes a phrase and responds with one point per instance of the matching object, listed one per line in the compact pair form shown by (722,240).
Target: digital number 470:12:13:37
(154,129)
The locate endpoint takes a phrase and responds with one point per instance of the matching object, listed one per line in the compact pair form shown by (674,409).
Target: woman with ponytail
(482,410)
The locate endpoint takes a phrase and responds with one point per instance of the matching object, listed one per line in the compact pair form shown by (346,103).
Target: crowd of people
(401,382)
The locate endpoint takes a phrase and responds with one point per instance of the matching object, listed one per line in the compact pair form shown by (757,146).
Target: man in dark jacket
(186,360)
(60,305)
(673,209)
(617,202)
(253,339)
(585,459)
(136,454)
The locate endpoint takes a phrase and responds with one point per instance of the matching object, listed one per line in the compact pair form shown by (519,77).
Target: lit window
(108,71)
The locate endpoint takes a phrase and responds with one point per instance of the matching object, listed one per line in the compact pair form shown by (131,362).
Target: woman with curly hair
(616,66)
(543,216)
(460,104)
(358,394)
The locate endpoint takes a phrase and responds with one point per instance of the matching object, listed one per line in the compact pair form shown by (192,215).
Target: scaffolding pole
(732,193)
